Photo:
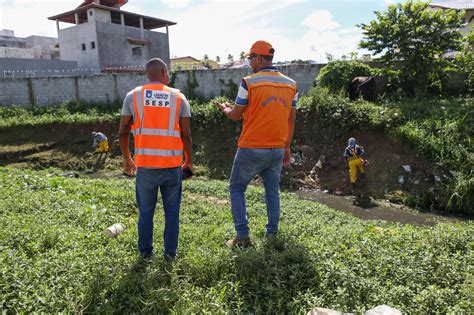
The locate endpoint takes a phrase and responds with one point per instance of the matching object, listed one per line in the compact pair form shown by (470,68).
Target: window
(136,51)
(83,46)
(92,45)
(90,13)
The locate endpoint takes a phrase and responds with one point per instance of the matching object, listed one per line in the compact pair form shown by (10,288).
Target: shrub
(336,75)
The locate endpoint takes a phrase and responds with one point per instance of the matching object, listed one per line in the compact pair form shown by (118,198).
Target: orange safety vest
(156,129)
(265,119)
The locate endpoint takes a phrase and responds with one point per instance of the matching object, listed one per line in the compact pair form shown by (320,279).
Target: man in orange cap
(266,102)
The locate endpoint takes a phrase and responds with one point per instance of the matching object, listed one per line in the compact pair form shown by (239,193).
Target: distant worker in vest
(353,154)
(266,102)
(98,138)
(159,118)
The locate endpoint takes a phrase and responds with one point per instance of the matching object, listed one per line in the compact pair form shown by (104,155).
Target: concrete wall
(44,46)
(116,51)
(110,87)
(14,92)
(213,82)
(34,64)
(11,41)
(114,87)
(98,15)
(13,52)
(71,40)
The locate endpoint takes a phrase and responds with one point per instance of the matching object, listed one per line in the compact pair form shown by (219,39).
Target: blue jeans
(147,184)
(248,163)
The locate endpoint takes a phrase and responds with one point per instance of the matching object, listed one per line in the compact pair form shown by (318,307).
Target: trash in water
(401,179)
(319,164)
(407,168)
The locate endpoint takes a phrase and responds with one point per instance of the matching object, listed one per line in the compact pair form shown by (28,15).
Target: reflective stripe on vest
(156,132)
(157,147)
(158,152)
(270,78)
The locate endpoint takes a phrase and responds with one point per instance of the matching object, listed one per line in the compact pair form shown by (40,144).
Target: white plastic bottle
(114,230)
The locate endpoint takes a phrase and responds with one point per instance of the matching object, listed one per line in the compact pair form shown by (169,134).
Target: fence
(109,87)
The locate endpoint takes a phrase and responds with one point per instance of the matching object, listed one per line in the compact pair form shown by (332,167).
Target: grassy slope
(54,257)
(441,129)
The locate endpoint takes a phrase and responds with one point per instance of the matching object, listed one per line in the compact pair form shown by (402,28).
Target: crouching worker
(353,154)
(159,117)
(98,138)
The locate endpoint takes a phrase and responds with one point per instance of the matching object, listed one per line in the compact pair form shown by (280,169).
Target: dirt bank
(69,147)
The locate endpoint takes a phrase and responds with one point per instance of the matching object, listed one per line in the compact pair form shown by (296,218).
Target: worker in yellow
(100,139)
(353,154)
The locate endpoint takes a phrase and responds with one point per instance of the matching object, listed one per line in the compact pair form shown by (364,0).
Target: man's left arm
(124,133)
(185,126)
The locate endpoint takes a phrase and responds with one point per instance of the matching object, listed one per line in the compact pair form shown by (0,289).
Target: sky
(297,29)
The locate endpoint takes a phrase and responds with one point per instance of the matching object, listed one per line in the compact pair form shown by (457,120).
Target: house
(105,37)
(191,63)
(186,63)
(466,5)
(31,47)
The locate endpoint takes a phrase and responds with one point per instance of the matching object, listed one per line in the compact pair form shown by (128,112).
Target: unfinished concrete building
(107,38)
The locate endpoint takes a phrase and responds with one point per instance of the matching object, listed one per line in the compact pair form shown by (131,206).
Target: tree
(230,58)
(206,62)
(412,41)
(337,74)
(218,59)
(466,61)
(329,57)
(242,55)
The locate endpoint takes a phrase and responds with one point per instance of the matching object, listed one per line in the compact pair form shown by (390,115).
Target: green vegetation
(441,129)
(411,39)
(68,112)
(337,75)
(55,258)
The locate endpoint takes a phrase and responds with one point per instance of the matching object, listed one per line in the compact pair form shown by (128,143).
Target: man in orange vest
(159,118)
(266,102)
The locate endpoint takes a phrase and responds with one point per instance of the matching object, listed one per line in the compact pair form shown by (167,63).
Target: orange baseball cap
(261,47)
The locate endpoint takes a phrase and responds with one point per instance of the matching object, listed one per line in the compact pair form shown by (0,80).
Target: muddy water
(381,210)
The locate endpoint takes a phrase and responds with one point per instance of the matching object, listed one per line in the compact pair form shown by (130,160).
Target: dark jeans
(248,163)
(168,180)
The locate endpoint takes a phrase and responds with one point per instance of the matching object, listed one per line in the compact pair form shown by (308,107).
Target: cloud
(175,4)
(235,26)
(215,28)
(13,15)
(224,27)
(325,35)
(386,3)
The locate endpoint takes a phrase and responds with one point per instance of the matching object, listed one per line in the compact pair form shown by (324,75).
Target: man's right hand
(222,106)
(287,157)
(129,167)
